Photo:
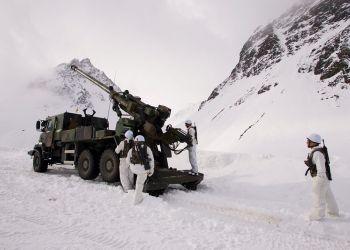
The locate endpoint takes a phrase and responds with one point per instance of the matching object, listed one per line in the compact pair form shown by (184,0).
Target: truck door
(47,137)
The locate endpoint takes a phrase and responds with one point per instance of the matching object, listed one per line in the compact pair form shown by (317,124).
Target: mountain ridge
(62,81)
(303,25)
(284,87)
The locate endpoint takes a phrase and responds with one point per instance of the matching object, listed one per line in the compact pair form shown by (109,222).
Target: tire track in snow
(284,234)
(40,218)
(104,238)
(287,227)
(245,214)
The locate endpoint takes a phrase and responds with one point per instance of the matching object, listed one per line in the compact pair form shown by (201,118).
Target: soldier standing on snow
(318,163)
(126,176)
(140,158)
(192,150)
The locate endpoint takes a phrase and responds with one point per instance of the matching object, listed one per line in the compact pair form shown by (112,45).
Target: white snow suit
(322,196)
(126,176)
(141,173)
(192,151)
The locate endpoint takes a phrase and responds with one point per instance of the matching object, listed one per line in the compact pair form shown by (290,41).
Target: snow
(254,195)
(245,202)
(251,151)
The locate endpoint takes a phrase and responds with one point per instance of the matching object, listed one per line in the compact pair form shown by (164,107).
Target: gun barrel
(97,82)
(147,118)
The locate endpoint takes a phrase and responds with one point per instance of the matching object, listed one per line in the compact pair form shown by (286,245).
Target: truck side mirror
(38,125)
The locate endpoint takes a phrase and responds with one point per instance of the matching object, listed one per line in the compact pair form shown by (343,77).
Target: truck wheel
(109,166)
(39,164)
(86,165)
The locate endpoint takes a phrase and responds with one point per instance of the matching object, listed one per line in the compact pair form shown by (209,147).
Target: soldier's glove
(150,173)
(306,163)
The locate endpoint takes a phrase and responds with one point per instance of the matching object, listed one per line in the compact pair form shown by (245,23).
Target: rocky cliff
(320,30)
(62,81)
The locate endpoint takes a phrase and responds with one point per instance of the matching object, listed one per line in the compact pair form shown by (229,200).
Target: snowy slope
(292,79)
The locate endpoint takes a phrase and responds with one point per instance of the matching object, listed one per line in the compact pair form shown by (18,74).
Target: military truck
(86,142)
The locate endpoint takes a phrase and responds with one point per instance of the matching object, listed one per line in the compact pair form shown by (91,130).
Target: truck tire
(39,164)
(109,166)
(87,167)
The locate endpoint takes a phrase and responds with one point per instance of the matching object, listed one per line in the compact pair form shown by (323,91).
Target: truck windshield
(50,125)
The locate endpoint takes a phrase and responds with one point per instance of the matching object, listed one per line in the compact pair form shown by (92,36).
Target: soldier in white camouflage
(126,176)
(140,158)
(192,150)
(318,164)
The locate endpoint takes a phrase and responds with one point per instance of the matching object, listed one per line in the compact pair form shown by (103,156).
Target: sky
(170,52)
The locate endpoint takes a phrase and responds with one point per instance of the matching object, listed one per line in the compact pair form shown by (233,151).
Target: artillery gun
(86,142)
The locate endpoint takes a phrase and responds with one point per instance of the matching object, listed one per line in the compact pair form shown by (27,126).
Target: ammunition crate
(84,133)
(103,133)
(68,135)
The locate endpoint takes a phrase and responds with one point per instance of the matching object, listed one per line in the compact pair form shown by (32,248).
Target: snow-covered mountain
(293,78)
(64,82)
(58,90)
(322,26)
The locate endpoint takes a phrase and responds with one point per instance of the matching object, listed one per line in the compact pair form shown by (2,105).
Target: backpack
(312,167)
(195,133)
(127,145)
(139,155)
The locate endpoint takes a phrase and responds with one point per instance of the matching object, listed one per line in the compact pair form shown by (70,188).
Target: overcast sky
(171,52)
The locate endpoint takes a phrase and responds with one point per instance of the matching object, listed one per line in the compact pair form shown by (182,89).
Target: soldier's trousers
(322,199)
(192,154)
(140,181)
(126,176)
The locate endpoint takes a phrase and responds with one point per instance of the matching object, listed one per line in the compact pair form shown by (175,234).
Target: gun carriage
(88,143)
